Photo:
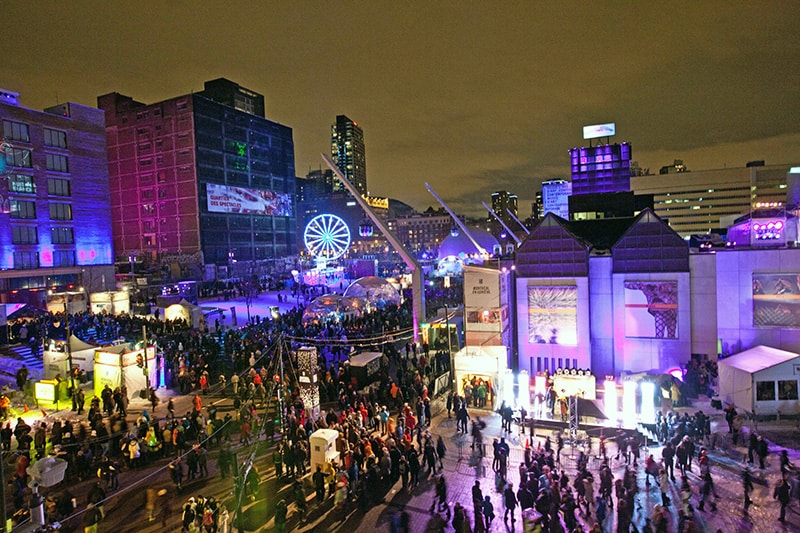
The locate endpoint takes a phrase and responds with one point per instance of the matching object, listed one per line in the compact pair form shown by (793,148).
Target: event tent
(761,380)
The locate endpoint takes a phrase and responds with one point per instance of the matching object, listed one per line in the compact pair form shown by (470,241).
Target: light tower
(417,275)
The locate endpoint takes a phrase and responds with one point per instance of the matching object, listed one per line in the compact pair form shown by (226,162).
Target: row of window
(19,157)
(17,131)
(787,390)
(30,235)
(22,184)
(23,209)
(26,260)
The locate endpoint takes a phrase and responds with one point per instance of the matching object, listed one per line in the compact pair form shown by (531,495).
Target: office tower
(348,152)
(502,201)
(203,173)
(55,225)
(602,168)
(555,197)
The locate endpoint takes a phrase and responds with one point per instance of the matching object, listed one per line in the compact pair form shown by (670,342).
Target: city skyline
(471,99)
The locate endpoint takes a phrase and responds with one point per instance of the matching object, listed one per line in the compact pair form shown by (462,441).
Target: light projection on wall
(776,300)
(241,200)
(552,314)
(651,309)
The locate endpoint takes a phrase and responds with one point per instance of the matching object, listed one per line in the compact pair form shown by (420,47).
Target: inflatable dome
(376,291)
(333,307)
(461,246)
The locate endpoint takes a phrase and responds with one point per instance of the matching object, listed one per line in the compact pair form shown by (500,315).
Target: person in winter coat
(782,494)
(510,502)
(280,516)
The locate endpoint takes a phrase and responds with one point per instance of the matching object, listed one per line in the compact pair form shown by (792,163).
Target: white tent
(184,310)
(761,380)
(490,363)
(116,366)
(55,357)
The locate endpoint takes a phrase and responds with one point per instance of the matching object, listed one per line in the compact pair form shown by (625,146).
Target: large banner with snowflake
(651,309)
(553,314)
(776,300)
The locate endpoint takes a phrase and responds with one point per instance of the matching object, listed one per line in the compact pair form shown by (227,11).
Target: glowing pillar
(648,409)
(524,390)
(508,387)
(611,399)
(539,388)
(629,404)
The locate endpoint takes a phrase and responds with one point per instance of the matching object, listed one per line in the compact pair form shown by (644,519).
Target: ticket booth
(323,448)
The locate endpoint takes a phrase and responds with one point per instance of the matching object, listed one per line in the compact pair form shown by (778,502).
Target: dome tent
(376,291)
(333,307)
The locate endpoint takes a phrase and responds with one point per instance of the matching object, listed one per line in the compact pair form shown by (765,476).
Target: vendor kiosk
(323,448)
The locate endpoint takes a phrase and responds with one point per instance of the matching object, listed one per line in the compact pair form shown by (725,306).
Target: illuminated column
(611,399)
(309,388)
(508,387)
(539,388)
(648,409)
(629,404)
(524,391)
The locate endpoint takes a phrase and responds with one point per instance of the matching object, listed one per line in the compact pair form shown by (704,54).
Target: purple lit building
(55,221)
(602,168)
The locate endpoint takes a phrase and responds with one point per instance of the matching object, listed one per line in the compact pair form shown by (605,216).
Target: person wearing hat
(91,518)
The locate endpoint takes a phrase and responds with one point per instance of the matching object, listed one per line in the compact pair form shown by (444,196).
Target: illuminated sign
(651,309)
(244,201)
(776,300)
(376,202)
(600,130)
(45,390)
(553,314)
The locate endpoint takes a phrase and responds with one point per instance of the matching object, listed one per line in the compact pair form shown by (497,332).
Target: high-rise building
(55,226)
(503,201)
(348,152)
(602,168)
(555,197)
(203,173)
(697,202)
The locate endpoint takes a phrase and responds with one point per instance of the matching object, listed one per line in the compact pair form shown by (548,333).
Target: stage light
(610,398)
(508,388)
(648,410)
(629,404)
(523,382)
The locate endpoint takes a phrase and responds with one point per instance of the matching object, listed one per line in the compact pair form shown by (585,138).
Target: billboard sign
(245,201)
(776,300)
(600,130)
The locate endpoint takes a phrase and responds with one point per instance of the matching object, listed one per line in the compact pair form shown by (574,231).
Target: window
(60,212)
(26,259)
(24,235)
(63,258)
(23,209)
(62,236)
(17,157)
(21,184)
(787,390)
(58,187)
(146,194)
(145,162)
(16,131)
(57,163)
(55,138)
(180,105)
(765,391)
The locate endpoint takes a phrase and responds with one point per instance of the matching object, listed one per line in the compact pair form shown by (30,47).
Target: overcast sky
(471,97)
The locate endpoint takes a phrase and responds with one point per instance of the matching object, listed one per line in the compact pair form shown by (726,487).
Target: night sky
(472,97)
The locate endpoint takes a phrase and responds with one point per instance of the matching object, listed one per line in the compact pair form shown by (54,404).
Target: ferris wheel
(327,236)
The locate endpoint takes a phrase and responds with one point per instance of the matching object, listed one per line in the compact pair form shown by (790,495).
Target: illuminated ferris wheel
(327,237)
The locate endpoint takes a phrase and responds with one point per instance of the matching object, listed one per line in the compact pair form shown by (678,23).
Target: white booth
(761,380)
(323,448)
(114,366)
(55,357)
(111,302)
(489,363)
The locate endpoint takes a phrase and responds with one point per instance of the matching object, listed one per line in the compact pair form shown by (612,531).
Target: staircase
(24,353)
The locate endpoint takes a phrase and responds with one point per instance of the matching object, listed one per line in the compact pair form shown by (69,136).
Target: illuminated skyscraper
(348,152)
(602,168)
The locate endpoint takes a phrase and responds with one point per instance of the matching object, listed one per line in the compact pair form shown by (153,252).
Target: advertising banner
(651,309)
(244,201)
(776,300)
(553,314)
(481,289)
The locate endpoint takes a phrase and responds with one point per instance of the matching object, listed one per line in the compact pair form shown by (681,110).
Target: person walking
(782,494)
(747,486)
(510,502)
